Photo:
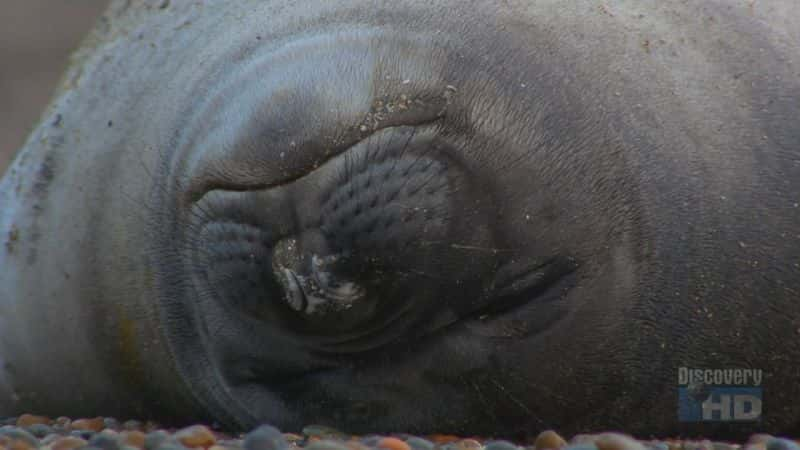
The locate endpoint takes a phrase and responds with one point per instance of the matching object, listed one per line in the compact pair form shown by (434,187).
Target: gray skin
(473,217)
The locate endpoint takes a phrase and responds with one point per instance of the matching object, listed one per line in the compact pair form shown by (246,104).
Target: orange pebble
(442,438)
(95,424)
(196,436)
(67,443)
(26,420)
(549,439)
(391,443)
(133,438)
(7,443)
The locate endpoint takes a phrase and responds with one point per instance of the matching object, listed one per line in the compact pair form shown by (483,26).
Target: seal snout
(360,244)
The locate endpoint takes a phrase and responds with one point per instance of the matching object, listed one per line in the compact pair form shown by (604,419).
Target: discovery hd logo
(719,395)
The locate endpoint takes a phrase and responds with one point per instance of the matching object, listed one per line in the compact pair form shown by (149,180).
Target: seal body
(475,217)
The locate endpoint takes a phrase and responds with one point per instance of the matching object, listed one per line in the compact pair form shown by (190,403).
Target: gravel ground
(28,431)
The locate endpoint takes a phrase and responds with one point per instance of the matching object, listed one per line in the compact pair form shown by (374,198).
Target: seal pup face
(380,227)
(353,234)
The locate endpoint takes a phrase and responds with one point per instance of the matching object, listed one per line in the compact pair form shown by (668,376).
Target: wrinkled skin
(476,217)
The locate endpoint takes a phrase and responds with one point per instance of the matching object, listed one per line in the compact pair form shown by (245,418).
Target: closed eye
(542,283)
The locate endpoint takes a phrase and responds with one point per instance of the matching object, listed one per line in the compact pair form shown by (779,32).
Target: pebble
(67,443)
(171,445)
(440,439)
(154,439)
(265,437)
(134,438)
(417,443)
(110,423)
(782,444)
(760,438)
(62,425)
(392,443)
(105,441)
(196,436)
(448,446)
(95,424)
(50,438)
(582,446)
(18,435)
(617,441)
(656,445)
(27,420)
(468,444)
(63,421)
(500,445)
(549,439)
(371,440)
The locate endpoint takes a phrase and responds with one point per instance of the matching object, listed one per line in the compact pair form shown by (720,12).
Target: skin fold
(450,216)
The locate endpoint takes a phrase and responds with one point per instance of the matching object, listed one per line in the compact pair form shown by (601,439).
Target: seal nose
(308,273)
(367,236)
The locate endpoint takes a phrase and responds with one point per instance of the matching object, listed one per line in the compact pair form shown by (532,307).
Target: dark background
(36,39)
